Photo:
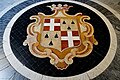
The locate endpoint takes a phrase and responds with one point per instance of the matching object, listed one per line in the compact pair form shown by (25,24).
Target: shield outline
(61,60)
(53,17)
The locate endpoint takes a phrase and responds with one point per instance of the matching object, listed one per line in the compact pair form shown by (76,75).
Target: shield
(60,33)
(60,36)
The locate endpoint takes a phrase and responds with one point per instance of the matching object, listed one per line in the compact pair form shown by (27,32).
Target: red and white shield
(60,33)
(60,36)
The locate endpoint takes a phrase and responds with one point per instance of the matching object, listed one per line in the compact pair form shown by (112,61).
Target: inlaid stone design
(56,38)
(69,36)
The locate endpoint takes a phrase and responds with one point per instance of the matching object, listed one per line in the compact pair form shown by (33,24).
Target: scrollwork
(34,31)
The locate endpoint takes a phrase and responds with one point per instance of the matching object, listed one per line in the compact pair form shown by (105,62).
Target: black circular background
(43,66)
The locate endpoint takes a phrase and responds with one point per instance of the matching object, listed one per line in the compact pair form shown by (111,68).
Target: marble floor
(115,4)
(109,8)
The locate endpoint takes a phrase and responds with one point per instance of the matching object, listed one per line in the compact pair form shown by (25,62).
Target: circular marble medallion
(30,63)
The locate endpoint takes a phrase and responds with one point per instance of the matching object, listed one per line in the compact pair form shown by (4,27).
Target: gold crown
(60,7)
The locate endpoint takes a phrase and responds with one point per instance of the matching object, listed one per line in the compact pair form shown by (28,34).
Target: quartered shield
(60,33)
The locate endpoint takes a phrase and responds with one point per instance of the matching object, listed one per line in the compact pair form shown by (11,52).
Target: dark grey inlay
(64,22)
(119,3)
(56,35)
(11,74)
(112,72)
(46,36)
(43,66)
(51,43)
(112,18)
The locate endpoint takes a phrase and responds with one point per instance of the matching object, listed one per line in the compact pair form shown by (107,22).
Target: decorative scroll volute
(60,58)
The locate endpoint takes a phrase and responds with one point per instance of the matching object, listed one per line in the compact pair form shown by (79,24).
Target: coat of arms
(60,36)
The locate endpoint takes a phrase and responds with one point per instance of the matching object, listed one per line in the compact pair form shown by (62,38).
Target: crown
(60,7)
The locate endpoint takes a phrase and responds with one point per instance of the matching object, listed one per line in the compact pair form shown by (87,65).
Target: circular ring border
(29,73)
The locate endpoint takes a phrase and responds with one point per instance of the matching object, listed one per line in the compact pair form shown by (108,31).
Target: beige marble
(83,76)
